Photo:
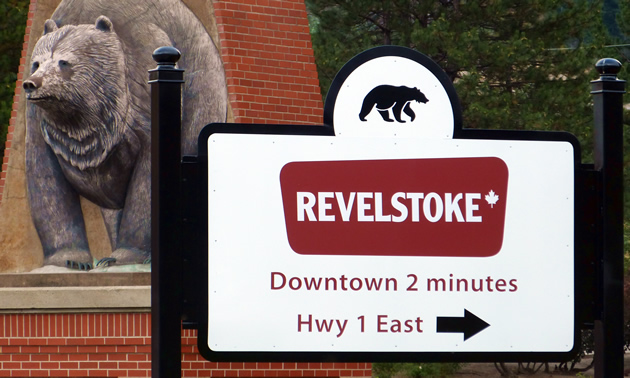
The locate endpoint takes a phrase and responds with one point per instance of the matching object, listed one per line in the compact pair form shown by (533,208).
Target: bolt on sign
(391,232)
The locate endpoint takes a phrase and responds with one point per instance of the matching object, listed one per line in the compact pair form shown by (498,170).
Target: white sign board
(275,286)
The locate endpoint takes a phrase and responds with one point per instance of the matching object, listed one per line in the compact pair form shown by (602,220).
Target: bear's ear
(104,24)
(49,26)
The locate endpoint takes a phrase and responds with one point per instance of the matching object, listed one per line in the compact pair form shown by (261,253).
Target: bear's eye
(34,67)
(64,64)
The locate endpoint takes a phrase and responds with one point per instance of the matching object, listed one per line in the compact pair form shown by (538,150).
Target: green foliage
(411,370)
(13,15)
(623,21)
(621,50)
(515,65)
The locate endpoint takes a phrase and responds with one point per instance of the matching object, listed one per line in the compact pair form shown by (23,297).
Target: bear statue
(396,98)
(88,119)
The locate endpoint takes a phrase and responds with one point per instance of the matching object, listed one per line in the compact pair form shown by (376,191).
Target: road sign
(324,288)
(362,248)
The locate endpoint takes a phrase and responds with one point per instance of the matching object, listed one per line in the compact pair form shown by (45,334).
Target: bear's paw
(69,258)
(130,256)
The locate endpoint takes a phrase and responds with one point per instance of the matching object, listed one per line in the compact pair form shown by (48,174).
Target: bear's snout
(32,83)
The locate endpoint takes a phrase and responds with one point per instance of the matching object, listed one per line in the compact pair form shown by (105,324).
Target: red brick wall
(269,63)
(119,345)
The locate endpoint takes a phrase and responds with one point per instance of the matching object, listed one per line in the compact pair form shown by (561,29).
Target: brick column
(269,62)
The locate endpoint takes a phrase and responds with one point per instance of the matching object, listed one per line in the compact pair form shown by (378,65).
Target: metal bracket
(587,219)
(191,277)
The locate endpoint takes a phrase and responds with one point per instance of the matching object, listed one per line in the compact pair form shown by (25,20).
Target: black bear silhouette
(396,98)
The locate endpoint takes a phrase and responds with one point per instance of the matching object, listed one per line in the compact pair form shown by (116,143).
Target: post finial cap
(608,66)
(166,55)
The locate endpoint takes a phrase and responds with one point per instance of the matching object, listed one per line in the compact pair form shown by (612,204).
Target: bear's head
(78,81)
(419,96)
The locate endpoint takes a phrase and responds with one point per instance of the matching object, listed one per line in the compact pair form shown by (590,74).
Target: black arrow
(469,325)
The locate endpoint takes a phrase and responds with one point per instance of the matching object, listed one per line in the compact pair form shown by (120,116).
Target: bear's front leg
(55,206)
(408,111)
(134,234)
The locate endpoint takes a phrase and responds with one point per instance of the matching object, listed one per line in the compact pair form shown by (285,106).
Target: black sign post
(166,91)
(607,94)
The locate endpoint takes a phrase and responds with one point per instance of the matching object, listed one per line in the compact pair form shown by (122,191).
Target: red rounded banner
(407,207)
